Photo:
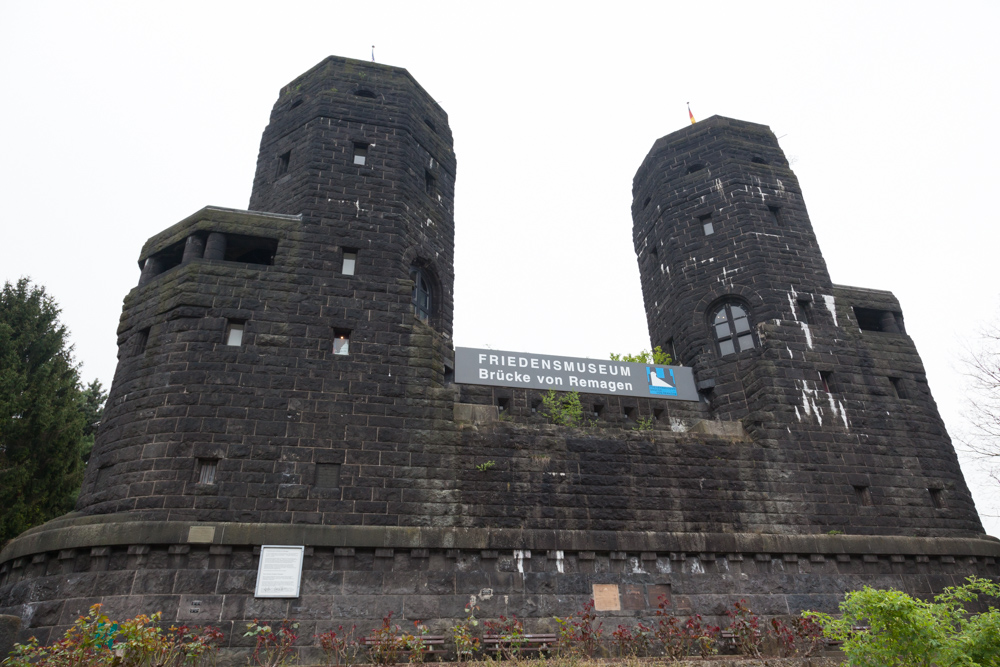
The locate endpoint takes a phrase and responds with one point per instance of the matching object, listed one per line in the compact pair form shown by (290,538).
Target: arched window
(423,295)
(732,328)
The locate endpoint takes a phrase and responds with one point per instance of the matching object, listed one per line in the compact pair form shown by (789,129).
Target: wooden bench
(528,643)
(433,644)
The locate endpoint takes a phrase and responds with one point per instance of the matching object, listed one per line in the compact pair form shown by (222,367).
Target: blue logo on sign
(661,381)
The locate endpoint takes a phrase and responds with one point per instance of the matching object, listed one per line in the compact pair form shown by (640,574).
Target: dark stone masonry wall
(286,376)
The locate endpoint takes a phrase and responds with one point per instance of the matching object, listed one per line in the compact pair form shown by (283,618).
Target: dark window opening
(629,413)
(536,405)
(423,299)
(327,476)
(871,319)
(449,374)
(756,159)
(864,495)
(503,403)
(598,409)
(695,167)
(653,251)
(250,249)
(141,339)
(658,414)
(707,396)
(206,470)
(429,183)
(706,224)
(898,388)
(732,328)
(360,153)
(646,203)
(825,378)
(807,312)
(283,161)
(937,498)
(776,214)
(296,103)
(430,125)
(341,341)
(234,333)
(350,257)
(363,92)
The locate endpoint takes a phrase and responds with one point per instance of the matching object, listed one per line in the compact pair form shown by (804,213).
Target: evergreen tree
(41,419)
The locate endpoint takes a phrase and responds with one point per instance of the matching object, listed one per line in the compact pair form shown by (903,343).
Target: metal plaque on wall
(280,572)
(527,370)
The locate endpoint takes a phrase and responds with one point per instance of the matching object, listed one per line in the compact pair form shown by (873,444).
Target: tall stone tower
(735,284)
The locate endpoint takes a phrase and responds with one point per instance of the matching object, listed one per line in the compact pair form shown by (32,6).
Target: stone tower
(285,377)
(734,283)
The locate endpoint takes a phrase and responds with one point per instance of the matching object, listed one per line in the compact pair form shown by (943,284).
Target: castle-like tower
(285,377)
(735,285)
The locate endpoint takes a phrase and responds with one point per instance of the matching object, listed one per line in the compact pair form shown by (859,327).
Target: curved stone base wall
(205,573)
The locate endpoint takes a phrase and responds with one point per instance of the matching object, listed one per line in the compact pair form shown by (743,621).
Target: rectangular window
(776,214)
(630,413)
(234,333)
(342,342)
(807,312)
(598,409)
(658,414)
(328,475)
(503,403)
(283,161)
(360,153)
(864,495)
(206,471)
(897,386)
(141,339)
(350,261)
(937,498)
(429,183)
(706,224)
(826,378)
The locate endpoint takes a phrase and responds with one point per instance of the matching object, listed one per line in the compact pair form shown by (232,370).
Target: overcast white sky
(120,119)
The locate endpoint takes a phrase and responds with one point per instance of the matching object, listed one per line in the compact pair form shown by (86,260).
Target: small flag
(690,115)
(373,59)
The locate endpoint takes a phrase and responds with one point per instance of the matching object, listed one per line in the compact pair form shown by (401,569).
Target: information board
(280,572)
(526,370)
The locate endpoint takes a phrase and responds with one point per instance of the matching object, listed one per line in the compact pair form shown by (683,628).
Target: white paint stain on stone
(519,556)
(696,567)
(831,305)
(677,425)
(560,563)
(805,330)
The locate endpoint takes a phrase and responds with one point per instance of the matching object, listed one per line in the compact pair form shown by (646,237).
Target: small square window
(206,471)
(503,403)
(328,475)
(350,261)
(864,495)
(937,498)
(658,414)
(341,341)
(283,161)
(629,413)
(598,409)
(360,153)
(706,224)
(234,333)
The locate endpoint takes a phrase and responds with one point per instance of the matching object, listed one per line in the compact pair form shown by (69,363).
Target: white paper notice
(280,572)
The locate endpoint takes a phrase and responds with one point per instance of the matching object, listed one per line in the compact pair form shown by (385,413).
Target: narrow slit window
(898,387)
(807,312)
(350,261)
(825,379)
(234,333)
(776,214)
(141,340)
(327,475)
(283,161)
(429,183)
(706,224)
(937,498)
(864,495)
(206,471)
(360,153)
(341,342)
(646,202)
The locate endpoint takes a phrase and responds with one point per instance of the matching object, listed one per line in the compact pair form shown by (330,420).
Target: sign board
(279,572)
(526,370)
(606,597)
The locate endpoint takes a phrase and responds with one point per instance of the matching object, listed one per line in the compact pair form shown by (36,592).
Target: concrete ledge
(720,429)
(119,529)
(476,414)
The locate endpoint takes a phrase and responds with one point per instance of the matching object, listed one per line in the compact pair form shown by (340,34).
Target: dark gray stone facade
(816,463)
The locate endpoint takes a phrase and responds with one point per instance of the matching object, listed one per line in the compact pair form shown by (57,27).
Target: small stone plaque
(606,597)
(201,534)
(280,572)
